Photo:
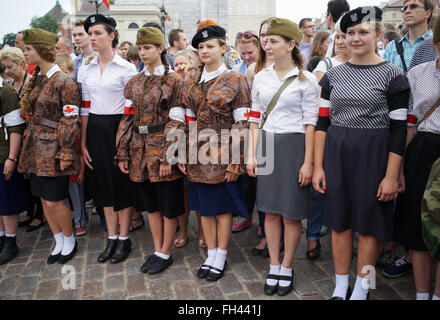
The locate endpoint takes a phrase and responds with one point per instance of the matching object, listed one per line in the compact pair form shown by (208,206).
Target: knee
(53,205)
(272,217)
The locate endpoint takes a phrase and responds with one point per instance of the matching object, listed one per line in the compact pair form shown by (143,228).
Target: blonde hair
(13,54)
(65,59)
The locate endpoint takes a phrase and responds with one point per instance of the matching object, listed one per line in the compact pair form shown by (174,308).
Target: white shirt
(331,44)
(208,76)
(322,67)
(103,94)
(297,106)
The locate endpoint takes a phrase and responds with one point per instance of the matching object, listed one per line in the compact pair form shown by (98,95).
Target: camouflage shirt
(52,133)
(154,102)
(226,106)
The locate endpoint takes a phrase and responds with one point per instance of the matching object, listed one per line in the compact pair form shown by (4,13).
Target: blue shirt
(393,57)
(241,68)
(77,63)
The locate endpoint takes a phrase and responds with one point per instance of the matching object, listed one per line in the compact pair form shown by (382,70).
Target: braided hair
(297,59)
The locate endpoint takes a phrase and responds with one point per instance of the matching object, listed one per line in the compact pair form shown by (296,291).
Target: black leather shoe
(109,250)
(53,258)
(123,249)
(283,291)
(30,228)
(213,276)
(9,251)
(257,252)
(347,296)
(24,223)
(2,242)
(268,289)
(64,259)
(203,271)
(160,265)
(148,263)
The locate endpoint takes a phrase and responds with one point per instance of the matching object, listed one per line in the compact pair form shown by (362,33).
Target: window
(133,26)
(394,15)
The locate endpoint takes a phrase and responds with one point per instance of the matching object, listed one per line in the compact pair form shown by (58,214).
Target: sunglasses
(411,6)
(246,35)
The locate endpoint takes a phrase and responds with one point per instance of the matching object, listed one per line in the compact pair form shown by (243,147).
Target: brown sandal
(314,253)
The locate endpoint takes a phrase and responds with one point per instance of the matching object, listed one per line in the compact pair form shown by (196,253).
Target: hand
(8,169)
(231,177)
(164,170)
(86,156)
(252,167)
(319,181)
(402,182)
(123,166)
(305,175)
(182,168)
(81,178)
(388,190)
(65,164)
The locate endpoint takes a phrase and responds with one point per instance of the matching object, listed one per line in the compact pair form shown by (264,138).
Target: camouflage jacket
(226,106)
(431,213)
(154,102)
(52,133)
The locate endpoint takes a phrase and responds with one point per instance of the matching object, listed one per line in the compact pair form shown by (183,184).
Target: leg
(314,224)
(263,242)
(170,226)
(209,225)
(224,230)
(422,263)
(124,217)
(10,224)
(437,281)
(342,248)
(156,226)
(202,241)
(291,240)
(272,227)
(111,219)
(54,227)
(182,237)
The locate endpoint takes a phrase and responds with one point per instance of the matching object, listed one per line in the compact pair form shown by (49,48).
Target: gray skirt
(278,191)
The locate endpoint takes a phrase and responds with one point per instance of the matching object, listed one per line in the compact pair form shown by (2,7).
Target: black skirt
(108,186)
(421,154)
(355,163)
(50,188)
(166,197)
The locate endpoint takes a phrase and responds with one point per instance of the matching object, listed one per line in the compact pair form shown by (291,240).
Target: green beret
(285,28)
(150,35)
(39,36)
(436,36)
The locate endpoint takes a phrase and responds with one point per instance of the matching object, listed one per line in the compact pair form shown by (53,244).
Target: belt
(45,122)
(149,129)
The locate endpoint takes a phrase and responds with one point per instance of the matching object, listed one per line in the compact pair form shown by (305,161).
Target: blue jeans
(315,220)
(261,219)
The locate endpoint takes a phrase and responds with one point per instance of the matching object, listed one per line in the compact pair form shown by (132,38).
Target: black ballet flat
(283,291)
(64,259)
(268,289)
(203,273)
(347,296)
(212,276)
(53,258)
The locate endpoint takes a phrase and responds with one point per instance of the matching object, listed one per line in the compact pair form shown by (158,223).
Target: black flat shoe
(64,259)
(53,258)
(123,249)
(283,291)
(213,276)
(257,252)
(109,250)
(347,296)
(203,273)
(31,228)
(9,251)
(160,265)
(268,289)
(148,263)
(2,242)
(24,223)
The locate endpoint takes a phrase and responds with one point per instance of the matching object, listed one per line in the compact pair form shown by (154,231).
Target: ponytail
(25,104)
(165,62)
(299,62)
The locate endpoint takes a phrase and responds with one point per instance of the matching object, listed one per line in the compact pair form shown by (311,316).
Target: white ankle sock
(113,237)
(123,238)
(59,242)
(422,296)
(434,297)
(359,293)
(161,255)
(274,270)
(2,233)
(285,272)
(10,235)
(220,260)
(342,283)
(69,244)
(211,258)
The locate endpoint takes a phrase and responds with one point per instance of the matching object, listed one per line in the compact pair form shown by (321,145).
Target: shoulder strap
(431,111)
(275,99)
(209,92)
(399,48)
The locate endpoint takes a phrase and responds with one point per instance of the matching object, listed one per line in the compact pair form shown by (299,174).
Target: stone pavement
(29,277)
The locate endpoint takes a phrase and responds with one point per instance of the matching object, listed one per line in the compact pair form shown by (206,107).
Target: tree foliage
(9,39)
(45,22)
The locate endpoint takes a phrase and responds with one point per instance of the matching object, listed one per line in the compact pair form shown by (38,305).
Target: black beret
(360,15)
(98,19)
(208,33)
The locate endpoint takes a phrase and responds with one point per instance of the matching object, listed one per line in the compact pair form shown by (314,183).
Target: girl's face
(99,38)
(340,43)
(362,38)
(31,55)
(248,51)
(324,45)
(182,63)
(263,37)
(277,48)
(150,53)
(13,70)
(211,52)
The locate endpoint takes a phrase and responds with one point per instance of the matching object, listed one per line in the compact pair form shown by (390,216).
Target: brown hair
(297,58)
(320,37)
(64,58)
(164,59)
(174,36)
(133,53)
(261,60)
(79,23)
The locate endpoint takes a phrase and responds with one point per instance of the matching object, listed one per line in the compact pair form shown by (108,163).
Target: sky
(16,15)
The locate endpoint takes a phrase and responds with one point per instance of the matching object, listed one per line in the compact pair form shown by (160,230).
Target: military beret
(285,28)
(436,36)
(208,33)
(150,35)
(39,36)
(98,19)
(360,15)
(206,23)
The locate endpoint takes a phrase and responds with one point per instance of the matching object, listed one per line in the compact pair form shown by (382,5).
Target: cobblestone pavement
(29,277)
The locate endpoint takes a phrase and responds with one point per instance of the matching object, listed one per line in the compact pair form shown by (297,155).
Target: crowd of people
(349,116)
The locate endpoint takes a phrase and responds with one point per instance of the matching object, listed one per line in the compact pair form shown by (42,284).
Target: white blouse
(297,107)
(103,94)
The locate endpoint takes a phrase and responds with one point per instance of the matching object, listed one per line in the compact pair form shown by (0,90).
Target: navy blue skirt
(13,194)
(217,199)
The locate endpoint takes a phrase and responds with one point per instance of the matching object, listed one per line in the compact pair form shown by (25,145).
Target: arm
(14,149)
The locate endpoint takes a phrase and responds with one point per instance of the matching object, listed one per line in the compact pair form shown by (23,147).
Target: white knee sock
(275,270)
(422,296)
(211,258)
(59,242)
(342,283)
(220,260)
(69,244)
(285,272)
(359,293)
(434,297)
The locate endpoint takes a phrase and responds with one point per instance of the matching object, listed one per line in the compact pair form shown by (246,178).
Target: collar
(208,76)
(427,35)
(52,71)
(158,71)
(293,72)
(116,59)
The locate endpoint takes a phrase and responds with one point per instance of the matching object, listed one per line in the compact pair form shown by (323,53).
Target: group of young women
(345,136)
